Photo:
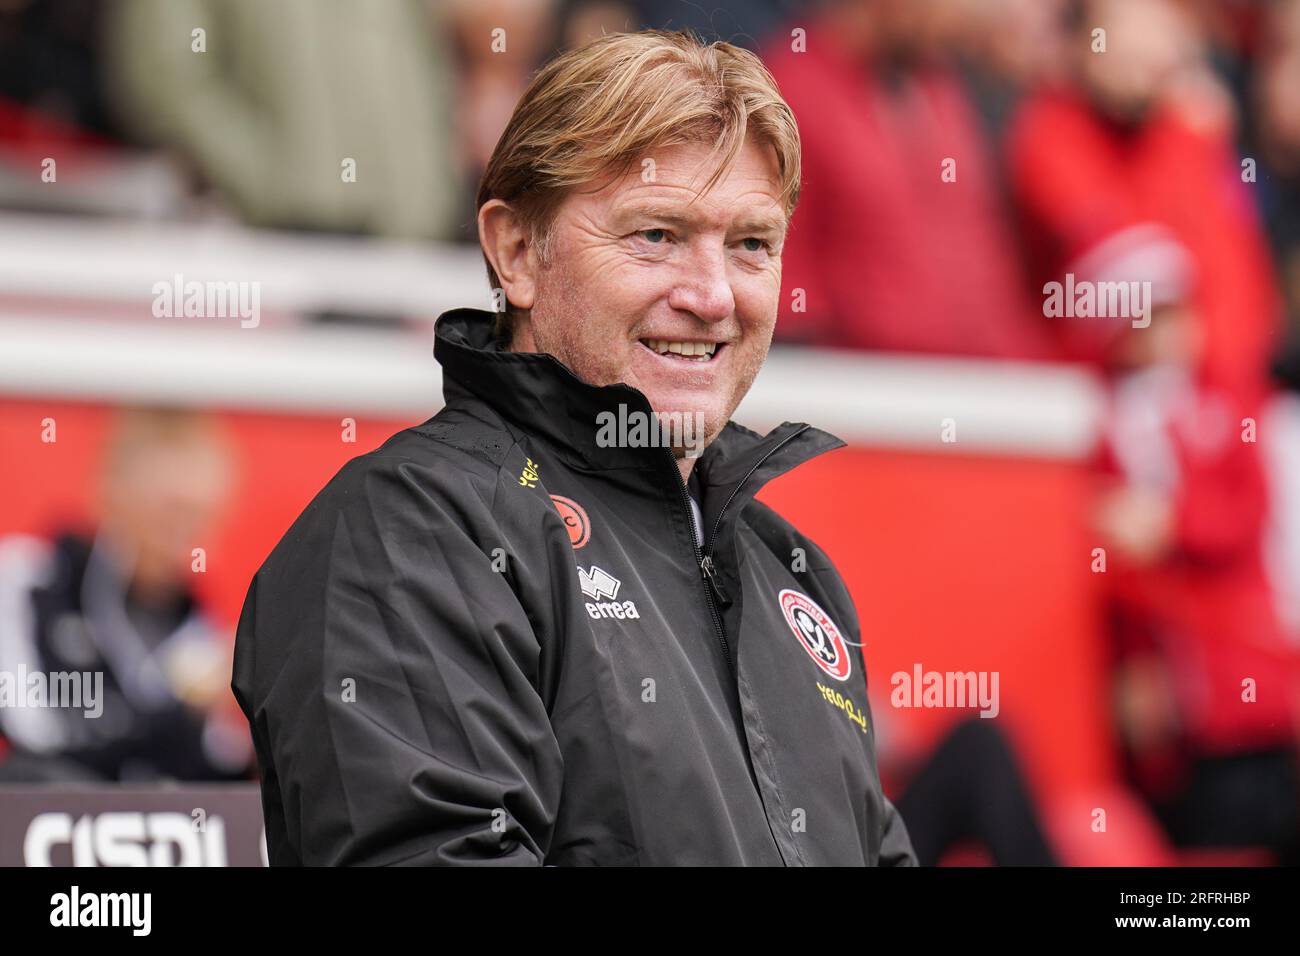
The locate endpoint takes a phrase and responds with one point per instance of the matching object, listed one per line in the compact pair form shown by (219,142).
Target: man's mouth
(699,352)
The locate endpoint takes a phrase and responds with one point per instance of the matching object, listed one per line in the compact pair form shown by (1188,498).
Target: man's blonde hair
(599,109)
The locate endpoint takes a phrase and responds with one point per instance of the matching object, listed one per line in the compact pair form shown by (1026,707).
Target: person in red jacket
(1129,179)
(1207,684)
(1142,139)
(900,242)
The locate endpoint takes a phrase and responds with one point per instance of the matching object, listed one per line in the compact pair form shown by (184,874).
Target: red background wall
(955,562)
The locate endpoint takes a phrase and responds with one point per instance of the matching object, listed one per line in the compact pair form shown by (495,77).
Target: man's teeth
(695,351)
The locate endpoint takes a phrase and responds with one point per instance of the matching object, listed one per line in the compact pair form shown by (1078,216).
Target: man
(521,633)
(1097,163)
(331,116)
(925,257)
(114,616)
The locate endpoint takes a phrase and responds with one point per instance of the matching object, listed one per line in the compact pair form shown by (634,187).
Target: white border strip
(119,261)
(985,406)
(326,369)
(1004,408)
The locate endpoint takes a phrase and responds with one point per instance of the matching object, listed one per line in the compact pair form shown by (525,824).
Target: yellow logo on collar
(529,477)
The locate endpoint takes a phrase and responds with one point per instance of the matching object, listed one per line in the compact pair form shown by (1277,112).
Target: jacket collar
(538,395)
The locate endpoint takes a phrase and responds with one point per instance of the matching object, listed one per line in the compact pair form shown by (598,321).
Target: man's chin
(692,419)
(689,433)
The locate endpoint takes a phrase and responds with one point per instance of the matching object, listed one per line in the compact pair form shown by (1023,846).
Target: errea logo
(598,583)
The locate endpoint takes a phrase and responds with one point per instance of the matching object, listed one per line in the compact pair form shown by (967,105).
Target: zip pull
(709,573)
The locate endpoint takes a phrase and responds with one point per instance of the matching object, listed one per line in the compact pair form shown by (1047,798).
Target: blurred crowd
(958,153)
(960,157)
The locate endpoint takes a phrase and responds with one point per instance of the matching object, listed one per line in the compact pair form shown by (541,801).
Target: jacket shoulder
(780,536)
(456,434)
(811,567)
(447,466)
(427,490)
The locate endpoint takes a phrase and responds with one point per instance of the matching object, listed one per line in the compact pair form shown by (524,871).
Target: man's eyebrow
(759,223)
(650,210)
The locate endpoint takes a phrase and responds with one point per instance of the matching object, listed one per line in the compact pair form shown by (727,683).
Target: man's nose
(704,289)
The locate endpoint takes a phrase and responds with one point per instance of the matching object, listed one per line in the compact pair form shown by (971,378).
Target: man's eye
(654,235)
(753,244)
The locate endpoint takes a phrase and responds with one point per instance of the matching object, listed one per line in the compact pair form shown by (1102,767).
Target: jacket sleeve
(390,675)
(895,844)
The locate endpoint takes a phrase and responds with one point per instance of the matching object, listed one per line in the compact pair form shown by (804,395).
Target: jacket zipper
(709,582)
(700,560)
(704,557)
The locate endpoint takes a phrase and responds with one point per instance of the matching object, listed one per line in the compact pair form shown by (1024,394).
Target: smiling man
(531,630)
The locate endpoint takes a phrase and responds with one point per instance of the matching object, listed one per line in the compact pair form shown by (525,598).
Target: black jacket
(490,640)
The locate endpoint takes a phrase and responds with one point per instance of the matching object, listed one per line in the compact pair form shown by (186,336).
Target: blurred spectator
(49,65)
(1145,137)
(120,605)
(498,43)
(971,794)
(1275,114)
(899,241)
(580,21)
(1207,687)
(271,100)
(1008,47)
(744,23)
(1280,444)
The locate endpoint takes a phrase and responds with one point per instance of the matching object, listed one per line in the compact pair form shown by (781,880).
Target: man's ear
(505,242)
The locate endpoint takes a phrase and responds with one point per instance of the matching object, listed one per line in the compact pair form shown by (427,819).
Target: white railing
(63,278)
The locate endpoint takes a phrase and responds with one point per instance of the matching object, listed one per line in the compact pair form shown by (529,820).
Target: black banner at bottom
(835,907)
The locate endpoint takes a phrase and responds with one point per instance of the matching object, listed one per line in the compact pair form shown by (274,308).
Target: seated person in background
(120,607)
(1206,683)
(970,797)
(284,95)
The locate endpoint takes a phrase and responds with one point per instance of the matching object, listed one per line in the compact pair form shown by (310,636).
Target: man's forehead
(670,186)
(751,208)
(749,212)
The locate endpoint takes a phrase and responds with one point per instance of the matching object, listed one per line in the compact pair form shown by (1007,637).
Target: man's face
(652,284)
(1149,42)
(161,501)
